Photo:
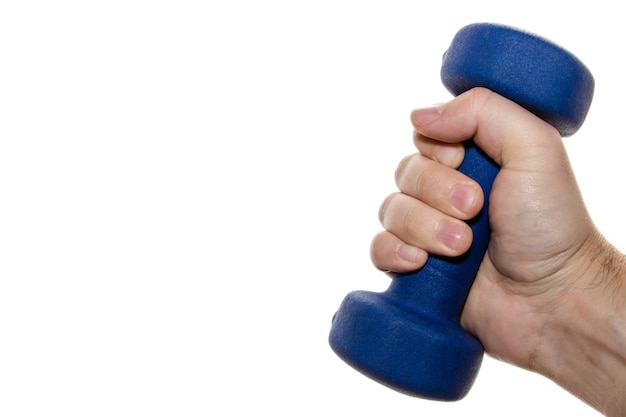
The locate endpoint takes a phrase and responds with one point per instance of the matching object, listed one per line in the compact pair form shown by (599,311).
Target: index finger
(449,154)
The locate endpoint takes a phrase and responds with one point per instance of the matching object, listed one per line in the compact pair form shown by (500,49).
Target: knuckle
(384,207)
(412,176)
(479,97)
(411,224)
(378,249)
(400,174)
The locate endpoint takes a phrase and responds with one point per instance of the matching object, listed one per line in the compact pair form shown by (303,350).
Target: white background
(189,189)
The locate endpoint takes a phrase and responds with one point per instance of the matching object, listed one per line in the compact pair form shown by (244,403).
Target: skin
(549,296)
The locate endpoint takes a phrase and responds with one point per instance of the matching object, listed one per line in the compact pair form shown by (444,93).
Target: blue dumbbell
(409,337)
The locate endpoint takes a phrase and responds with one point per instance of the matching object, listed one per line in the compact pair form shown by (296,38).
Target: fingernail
(408,253)
(446,154)
(425,115)
(463,197)
(450,234)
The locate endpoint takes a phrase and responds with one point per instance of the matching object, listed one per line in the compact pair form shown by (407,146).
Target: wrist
(583,347)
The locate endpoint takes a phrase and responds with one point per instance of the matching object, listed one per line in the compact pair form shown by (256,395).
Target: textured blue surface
(409,337)
(535,73)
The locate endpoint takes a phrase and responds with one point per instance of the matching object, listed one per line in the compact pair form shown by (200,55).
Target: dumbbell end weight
(379,339)
(537,74)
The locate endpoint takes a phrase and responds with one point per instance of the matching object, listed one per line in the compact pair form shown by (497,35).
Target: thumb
(505,131)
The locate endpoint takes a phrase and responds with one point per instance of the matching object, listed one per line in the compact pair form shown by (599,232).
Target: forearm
(584,344)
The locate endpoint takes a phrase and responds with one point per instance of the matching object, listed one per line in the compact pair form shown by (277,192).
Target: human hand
(542,237)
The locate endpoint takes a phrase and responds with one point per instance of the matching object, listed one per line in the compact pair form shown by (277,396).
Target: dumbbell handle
(442,285)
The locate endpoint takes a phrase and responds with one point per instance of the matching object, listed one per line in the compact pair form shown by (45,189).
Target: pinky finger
(390,254)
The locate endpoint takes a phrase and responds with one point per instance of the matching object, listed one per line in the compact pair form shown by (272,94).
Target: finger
(507,132)
(390,254)
(439,186)
(449,154)
(422,226)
